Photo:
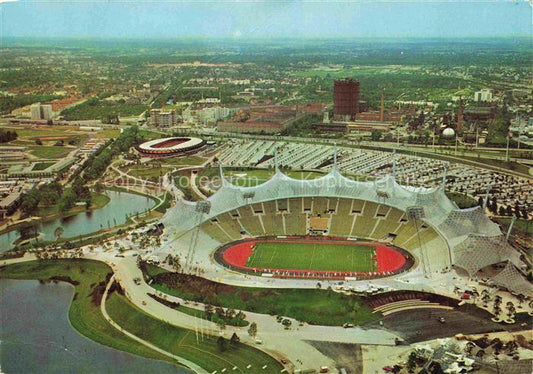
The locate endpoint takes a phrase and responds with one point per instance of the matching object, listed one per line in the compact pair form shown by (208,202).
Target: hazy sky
(155,19)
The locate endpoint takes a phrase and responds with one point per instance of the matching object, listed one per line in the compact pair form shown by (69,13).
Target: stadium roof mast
(513,219)
(221,172)
(443,183)
(486,199)
(334,157)
(276,161)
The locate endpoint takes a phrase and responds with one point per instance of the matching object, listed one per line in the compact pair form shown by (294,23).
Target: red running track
(388,259)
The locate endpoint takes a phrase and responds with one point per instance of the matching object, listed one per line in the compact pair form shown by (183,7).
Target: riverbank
(51,213)
(121,211)
(84,312)
(211,353)
(37,339)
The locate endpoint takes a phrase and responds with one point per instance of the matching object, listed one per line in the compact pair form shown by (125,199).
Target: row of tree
(96,165)
(7,136)
(492,206)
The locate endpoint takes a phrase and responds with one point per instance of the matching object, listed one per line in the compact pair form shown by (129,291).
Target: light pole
(507,148)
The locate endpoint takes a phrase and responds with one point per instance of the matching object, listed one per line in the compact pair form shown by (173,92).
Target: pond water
(37,337)
(113,214)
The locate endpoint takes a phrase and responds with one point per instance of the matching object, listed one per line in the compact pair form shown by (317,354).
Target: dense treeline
(95,166)
(97,109)
(50,194)
(302,126)
(7,136)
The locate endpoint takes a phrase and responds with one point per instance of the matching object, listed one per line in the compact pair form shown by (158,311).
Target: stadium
(174,146)
(326,228)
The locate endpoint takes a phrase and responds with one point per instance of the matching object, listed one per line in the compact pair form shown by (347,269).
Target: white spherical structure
(448,132)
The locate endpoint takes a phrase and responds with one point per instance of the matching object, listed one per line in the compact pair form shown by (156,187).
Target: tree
(222,344)
(58,232)
(234,339)
(230,313)
(252,330)
(411,362)
(208,311)
(68,200)
(30,202)
(376,135)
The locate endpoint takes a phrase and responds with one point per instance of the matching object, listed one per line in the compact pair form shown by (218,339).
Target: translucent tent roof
(386,191)
(474,240)
(512,279)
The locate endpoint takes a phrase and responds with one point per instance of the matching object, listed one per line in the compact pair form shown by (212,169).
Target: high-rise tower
(346,98)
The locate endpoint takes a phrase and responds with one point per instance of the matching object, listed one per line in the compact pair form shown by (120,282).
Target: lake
(113,214)
(37,337)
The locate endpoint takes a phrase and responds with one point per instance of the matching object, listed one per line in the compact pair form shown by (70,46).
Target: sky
(264,19)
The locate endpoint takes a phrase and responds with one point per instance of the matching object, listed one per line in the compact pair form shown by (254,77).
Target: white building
(38,111)
(206,115)
(163,118)
(484,95)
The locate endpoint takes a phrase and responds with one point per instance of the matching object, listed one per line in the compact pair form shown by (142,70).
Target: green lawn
(44,151)
(313,256)
(215,318)
(84,315)
(522,225)
(318,307)
(42,165)
(183,161)
(462,200)
(183,342)
(148,171)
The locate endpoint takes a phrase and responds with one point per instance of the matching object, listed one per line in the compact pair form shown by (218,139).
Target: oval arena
(174,146)
(314,257)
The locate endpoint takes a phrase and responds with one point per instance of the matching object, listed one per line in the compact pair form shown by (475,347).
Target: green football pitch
(313,256)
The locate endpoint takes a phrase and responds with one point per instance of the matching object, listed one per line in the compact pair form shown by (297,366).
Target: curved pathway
(181,360)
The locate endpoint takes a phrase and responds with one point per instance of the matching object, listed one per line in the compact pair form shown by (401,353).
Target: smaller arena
(310,257)
(167,147)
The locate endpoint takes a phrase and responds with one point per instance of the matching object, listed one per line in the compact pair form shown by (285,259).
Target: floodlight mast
(416,213)
(202,207)
(513,219)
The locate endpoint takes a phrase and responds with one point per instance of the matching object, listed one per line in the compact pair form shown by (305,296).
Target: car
(348,325)
(388,369)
